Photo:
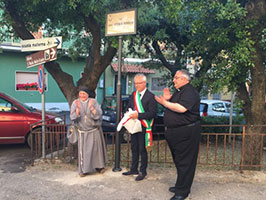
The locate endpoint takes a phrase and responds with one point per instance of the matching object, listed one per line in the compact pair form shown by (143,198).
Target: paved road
(20,181)
(14,158)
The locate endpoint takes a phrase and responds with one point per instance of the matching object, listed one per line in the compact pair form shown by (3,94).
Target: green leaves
(229,11)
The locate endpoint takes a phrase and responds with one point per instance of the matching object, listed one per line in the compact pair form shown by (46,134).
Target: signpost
(41,86)
(117,24)
(41,57)
(41,44)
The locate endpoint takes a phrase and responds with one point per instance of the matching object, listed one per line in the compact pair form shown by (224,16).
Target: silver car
(215,108)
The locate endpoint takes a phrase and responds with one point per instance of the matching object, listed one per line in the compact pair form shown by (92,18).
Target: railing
(228,149)
(55,141)
(216,149)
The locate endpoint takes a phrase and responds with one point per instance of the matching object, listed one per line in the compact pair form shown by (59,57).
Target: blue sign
(40,79)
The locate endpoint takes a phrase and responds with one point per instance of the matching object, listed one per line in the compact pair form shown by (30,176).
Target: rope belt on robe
(81,144)
(146,123)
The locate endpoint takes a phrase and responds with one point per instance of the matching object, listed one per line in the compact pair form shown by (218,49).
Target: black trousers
(184,146)
(138,149)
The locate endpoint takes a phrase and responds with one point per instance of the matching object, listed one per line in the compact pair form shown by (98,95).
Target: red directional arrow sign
(41,57)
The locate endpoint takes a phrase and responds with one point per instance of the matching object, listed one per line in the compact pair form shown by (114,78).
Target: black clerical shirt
(188,97)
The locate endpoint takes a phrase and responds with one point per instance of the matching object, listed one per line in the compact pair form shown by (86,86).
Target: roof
(132,68)
(10,47)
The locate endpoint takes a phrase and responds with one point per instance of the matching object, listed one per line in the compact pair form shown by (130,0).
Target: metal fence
(55,141)
(221,149)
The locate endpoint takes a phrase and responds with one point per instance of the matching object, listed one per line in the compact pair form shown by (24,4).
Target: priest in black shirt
(182,123)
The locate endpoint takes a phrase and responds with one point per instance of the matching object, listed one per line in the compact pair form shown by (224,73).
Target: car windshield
(22,104)
(109,104)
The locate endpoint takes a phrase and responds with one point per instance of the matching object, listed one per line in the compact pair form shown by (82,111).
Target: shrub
(238,120)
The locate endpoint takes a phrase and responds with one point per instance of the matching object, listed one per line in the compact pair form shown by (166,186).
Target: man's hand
(160,99)
(166,94)
(163,99)
(172,106)
(134,115)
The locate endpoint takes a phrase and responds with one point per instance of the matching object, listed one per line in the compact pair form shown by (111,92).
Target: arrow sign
(41,44)
(58,42)
(50,54)
(41,57)
(53,54)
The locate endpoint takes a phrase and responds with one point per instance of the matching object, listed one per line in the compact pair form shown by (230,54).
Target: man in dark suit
(142,100)
(182,123)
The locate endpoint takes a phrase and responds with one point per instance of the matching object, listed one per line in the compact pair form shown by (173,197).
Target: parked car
(216,108)
(16,119)
(109,116)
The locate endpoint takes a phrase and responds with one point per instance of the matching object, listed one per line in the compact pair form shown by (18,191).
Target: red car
(16,118)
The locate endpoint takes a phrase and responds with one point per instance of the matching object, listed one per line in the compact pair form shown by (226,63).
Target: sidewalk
(61,182)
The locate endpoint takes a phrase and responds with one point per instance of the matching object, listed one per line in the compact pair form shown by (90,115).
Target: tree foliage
(226,38)
(80,22)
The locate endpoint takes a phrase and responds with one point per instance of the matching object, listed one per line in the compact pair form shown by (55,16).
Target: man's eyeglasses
(137,83)
(177,77)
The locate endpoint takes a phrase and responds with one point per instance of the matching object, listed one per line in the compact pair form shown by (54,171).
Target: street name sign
(41,44)
(121,23)
(41,57)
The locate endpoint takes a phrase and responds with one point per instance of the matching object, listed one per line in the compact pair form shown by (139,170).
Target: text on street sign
(41,57)
(41,44)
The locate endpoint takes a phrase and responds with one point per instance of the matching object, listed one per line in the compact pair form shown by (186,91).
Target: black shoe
(82,175)
(140,177)
(172,189)
(177,197)
(129,173)
(100,170)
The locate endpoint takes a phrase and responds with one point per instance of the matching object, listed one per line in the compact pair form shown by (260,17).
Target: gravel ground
(61,182)
(20,181)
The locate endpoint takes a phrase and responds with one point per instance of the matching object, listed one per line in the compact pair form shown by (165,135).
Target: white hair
(141,75)
(185,74)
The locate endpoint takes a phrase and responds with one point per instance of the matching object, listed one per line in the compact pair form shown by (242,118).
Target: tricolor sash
(146,123)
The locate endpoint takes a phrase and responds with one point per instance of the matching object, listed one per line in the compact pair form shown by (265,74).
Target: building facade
(20,82)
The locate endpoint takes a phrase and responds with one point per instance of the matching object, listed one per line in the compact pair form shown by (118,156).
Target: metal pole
(118,109)
(231,117)
(43,116)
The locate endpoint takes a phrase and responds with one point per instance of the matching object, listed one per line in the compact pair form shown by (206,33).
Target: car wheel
(126,136)
(37,136)
(29,136)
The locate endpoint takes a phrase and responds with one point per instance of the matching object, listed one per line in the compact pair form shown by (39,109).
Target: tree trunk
(96,63)
(255,116)
(252,148)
